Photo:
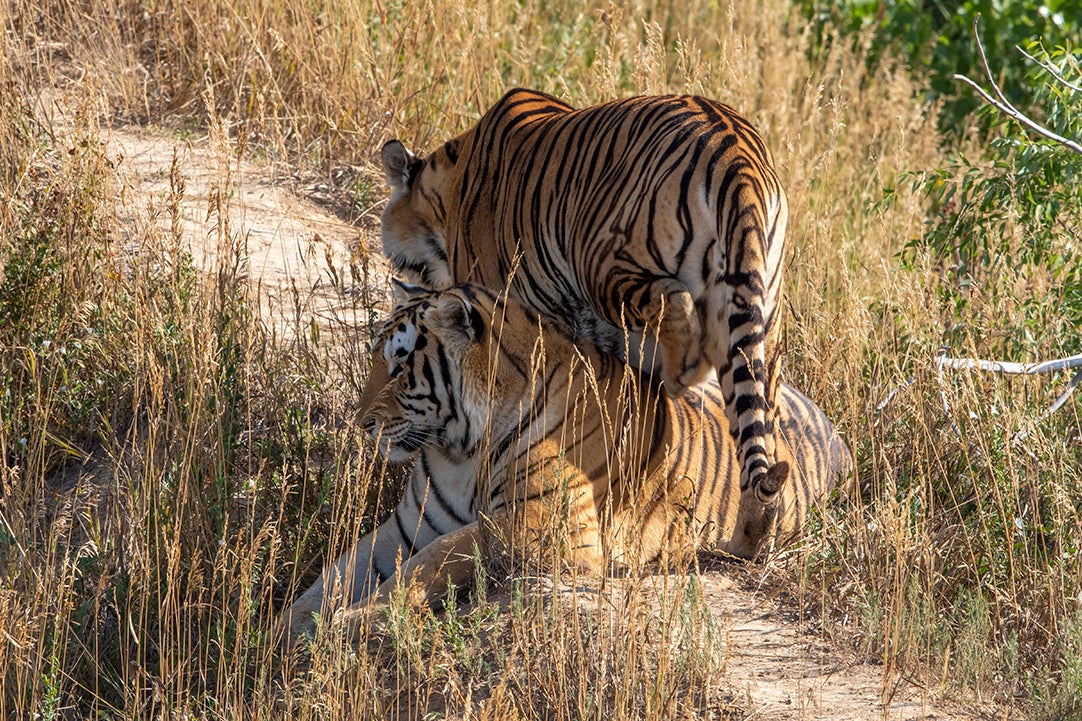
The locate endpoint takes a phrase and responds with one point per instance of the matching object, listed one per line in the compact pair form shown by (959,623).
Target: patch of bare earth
(777,666)
(787,670)
(294,254)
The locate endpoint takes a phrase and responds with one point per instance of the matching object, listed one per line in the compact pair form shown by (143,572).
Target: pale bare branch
(1067,393)
(1004,106)
(942,362)
(1051,70)
(987,69)
(1007,367)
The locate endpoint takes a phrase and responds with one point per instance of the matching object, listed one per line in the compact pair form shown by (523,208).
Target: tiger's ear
(403,291)
(458,316)
(398,164)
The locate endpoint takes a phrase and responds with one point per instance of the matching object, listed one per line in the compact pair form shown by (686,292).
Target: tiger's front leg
(449,560)
(423,514)
(354,576)
(546,516)
(663,310)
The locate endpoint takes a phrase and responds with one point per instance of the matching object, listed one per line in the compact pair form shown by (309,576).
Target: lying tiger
(580,459)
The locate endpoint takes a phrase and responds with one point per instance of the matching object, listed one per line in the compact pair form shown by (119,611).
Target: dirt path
(776,666)
(287,243)
(787,671)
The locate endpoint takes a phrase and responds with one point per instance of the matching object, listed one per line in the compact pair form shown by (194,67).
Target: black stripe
(749,402)
(448,385)
(381,575)
(750,279)
(446,505)
(751,339)
(757,462)
(743,373)
(754,429)
(407,539)
(753,314)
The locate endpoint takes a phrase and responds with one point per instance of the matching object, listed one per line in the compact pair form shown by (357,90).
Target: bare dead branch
(942,362)
(1066,393)
(1004,106)
(1048,68)
(1009,110)
(890,396)
(987,70)
(994,366)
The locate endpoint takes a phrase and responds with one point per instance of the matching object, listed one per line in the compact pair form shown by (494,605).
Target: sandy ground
(778,667)
(784,670)
(287,245)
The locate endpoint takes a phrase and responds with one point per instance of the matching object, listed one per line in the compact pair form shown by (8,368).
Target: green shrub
(933,38)
(1008,226)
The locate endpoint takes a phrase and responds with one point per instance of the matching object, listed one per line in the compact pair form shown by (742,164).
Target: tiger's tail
(750,380)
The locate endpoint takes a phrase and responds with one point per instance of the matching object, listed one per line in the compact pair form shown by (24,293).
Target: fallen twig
(942,362)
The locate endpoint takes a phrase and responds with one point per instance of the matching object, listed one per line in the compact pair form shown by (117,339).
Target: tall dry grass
(170,477)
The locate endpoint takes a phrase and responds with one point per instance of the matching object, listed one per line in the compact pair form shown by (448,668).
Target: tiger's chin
(397,445)
(396,454)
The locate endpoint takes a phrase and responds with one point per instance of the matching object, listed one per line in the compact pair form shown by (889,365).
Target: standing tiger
(510,421)
(659,215)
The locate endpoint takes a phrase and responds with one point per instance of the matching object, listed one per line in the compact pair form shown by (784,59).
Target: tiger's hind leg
(663,310)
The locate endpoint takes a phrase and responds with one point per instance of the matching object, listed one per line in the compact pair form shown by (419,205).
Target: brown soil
(287,244)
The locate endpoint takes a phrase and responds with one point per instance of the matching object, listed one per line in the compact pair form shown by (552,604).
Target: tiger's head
(418,392)
(414,225)
(431,383)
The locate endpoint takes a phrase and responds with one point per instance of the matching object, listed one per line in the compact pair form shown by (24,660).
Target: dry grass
(166,473)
